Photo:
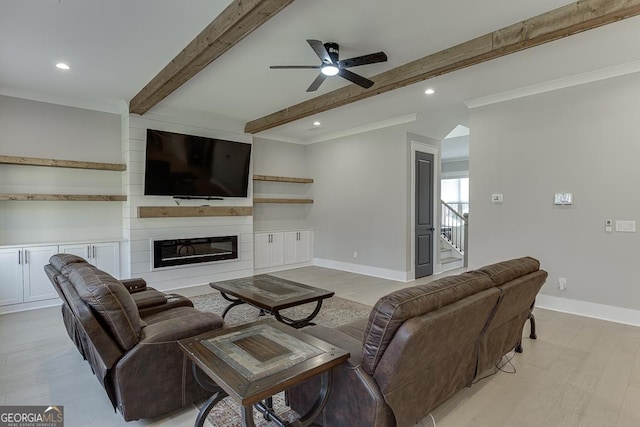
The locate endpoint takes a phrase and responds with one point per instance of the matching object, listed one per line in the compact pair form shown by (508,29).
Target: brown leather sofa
(128,333)
(422,344)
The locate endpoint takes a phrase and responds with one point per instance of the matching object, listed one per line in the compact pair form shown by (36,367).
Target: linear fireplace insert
(167,253)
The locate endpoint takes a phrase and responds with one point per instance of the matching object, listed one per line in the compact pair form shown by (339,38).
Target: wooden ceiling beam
(571,19)
(238,20)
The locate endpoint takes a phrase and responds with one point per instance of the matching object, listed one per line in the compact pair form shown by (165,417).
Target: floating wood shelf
(282,179)
(64,197)
(74,164)
(292,201)
(189,211)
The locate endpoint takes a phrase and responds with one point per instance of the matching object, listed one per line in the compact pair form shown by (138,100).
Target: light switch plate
(496,198)
(563,199)
(626,226)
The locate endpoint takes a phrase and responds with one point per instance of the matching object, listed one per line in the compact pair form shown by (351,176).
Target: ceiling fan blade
(295,67)
(354,78)
(364,60)
(320,50)
(316,83)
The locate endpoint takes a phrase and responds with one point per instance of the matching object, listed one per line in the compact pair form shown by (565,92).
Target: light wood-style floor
(579,372)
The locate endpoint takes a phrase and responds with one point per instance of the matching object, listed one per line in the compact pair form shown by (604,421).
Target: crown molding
(114,107)
(566,82)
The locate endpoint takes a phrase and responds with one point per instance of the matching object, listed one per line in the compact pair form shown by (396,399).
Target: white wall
(140,232)
(37,129)
(360,193)
(582,140)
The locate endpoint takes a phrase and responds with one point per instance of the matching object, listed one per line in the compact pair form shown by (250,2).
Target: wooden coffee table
(271,294)
(252,362)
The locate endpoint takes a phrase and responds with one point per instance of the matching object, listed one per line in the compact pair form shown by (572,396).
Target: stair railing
(454,229)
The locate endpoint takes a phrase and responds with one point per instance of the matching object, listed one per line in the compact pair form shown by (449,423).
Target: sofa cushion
(392,310)
(502,272)
(61,260)
(109,299)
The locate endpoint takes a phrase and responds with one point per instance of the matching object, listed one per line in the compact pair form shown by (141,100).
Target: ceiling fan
(331,65)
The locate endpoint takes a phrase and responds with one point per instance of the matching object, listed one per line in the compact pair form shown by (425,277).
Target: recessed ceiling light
(429,91)
(63,66)
(316,123)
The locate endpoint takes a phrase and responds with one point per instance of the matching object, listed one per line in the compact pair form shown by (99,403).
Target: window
(455,192)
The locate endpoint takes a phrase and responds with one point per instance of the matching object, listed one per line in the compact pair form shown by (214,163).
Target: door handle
(26,256)
(19,256)
(432,229)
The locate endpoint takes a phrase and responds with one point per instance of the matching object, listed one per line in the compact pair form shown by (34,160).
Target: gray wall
(37,129)
(280,159)
(582,140)
(455,169)
(360,195)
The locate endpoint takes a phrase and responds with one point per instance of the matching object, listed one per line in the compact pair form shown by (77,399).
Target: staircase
(450,257)
(453,238)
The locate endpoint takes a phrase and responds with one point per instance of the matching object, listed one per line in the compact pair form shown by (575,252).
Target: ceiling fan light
(330,70)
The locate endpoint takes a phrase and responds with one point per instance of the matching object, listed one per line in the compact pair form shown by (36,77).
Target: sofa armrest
(134,285)
(156,376)
(354,399)
(186,322)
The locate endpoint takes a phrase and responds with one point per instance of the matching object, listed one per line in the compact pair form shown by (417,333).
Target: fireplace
(168,253)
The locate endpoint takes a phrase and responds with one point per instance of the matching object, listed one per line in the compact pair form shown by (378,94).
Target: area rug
(335,312)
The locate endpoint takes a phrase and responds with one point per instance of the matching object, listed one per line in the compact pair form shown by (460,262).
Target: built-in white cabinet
(274,250)
(11,289)
(22,274)
(104,255)
(297,247)
(269,250)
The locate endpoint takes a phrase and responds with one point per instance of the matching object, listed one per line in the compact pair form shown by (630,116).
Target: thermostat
(563,199)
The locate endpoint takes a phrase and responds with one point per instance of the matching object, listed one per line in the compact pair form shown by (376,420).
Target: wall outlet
(355,254)
(562,283)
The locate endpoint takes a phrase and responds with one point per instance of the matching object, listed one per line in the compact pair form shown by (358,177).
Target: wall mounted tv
(186,166)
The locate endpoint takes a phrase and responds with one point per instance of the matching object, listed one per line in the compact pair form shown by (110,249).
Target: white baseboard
(15,308)
(281,268)
(383,273)
(611,313)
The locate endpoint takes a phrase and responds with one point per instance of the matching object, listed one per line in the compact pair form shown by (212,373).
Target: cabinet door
(268,250)
(10,276)
(277,249)
(303,249)
(36,283)
(297,247)
(80,249)
(106,256)
(261,252)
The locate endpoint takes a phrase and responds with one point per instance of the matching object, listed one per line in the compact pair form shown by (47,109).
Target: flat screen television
(194,166)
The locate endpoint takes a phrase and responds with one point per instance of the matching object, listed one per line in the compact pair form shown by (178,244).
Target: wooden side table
(252,362)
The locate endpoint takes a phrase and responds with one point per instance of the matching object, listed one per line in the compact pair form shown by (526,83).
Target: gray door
(424,214)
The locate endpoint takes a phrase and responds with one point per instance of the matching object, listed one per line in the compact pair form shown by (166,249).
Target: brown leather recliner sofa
(422,344)
(128,333)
